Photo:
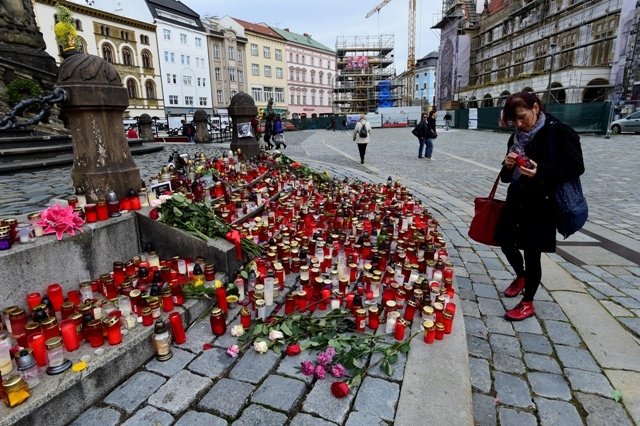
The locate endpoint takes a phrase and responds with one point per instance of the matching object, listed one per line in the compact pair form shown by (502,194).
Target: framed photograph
(160,188)
(244,130)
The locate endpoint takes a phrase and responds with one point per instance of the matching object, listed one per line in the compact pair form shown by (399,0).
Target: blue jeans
(422,142)
(429,150)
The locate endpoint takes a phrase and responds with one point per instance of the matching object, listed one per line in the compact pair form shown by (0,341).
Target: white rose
(260,346)
(237,330)
(275,335)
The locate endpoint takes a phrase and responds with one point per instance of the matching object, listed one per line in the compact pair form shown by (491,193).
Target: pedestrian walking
(332,124)
(188,130)
(278,132)
(420,131)
(132,133)
(447,121)
(268,130)
(362,135)
(542,154)
(431,135)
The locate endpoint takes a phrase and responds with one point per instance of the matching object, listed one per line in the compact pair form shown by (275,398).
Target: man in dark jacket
(420,131)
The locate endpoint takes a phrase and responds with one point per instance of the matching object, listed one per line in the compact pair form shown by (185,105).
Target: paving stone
(576,358)
(258,415)
(615,309)
(549,310)
(168,368)
(281,393)
(484,410)
(480,376)
(475,327)
(226,397)
(549,385)
(603,411)
(508,363)
(191,418)
(529,325)
(132,393)
(505,344)
(542,363)
(470,308)
(197,335)
(212,363)
(466,294)
(478,347)
(98,416)
(490,306)
(321,402)
(543,294)
(499,325)
(290,365)
(253,366)
(510,417)
(627,302)
(512,390)
(304,419)
(588,381)
(561,332)
(632,323)
(362,418)
(397,369)
(535,343)
(378,397)
(552,412)
(485,290)
(179,392)
(149,416)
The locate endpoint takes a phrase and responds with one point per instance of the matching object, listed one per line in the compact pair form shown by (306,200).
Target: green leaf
(387,368)
(257,330)
(335,344)
(392,359)
(277,349)
(357,363)
(286,330)
(617,395)
(179,198)
(177,211)
(357,379)
(244,275)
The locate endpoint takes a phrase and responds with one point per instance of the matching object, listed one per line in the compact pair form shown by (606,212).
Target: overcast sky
(324,20)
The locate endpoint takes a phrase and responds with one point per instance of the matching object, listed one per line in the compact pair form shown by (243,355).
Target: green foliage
(21,89)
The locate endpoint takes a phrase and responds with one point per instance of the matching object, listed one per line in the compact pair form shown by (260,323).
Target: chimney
(286,29)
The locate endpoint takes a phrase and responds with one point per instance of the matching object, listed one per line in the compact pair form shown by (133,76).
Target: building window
(256,93)
(293,99)
(266,52)
(203,101)
(239,55)
(218,74)
(303,59)
(255,69)
(254,49)
(146,59)
(144,39)
(278,54)
(131,88)
(267,71)
(204,82)
(166,34)
(186,80)
(183,39)
(321,98)
(173,57)
(230,53)
(198,42)
(240,76)
(188,100)
(127,56)
(78,25)
(313,76)
(267,92)
(304,99)
(279,95)
(518,61)
(199,81)
(503,60)
(107,53)
(150,88)
(166,56)
(279,73)
(603,37)
(173,99)
(168,78)
(232,74)
(182,59)
(219,96)
(216,51)
(188,60)
(175,78)
(540,54)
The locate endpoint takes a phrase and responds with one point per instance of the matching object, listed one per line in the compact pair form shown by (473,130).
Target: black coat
(528,218)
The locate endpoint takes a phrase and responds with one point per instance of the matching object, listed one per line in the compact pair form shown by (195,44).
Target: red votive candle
(54,291)
(290,304)
(374,317)
(360,320)
(245,316)
(325,296)
(33,300)
(102,210)
(94,333)
(114,333)
(90,213)
(401,326)
(218,322)
(70,336)
(177,328)
(221,299)
(439,331)
(36,343)
(429,331)
(447,321)
(301,300)
(73,296)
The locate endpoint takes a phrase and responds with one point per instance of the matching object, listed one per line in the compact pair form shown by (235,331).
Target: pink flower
(337,370)
(233,351)
(307,368)
(320,372)
(57,219)
(331,351)
(325,358)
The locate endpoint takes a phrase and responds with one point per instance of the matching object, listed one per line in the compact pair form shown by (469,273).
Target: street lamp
(552,48)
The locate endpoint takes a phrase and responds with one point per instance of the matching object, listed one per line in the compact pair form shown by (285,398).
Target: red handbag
(485,219)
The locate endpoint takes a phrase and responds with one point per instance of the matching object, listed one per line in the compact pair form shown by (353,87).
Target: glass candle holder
(429,331)
(447,321)
(55,354)
(90,213)
(102,210)
(177,328)
(147,318)
(113,331)
(94,333)
(439,331)
(70,336)
(50,328)
(15,391)
(217,322)
(18,321)
(261,309)
(56,295)
(6,366)
(37,344)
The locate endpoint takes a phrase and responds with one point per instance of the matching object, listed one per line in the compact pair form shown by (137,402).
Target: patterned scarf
(523,138)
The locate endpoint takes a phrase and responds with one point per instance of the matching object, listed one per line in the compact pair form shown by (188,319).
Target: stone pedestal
(242,110)
(95,105)
(145,127)
(200,120)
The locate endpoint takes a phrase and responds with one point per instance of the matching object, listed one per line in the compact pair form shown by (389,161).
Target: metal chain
(12,120)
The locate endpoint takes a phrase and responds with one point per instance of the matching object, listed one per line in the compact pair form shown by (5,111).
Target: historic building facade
(425,78)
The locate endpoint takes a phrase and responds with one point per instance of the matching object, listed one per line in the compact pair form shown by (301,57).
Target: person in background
(362,136)
(278,132)
(541,154)
(268,130)
(447,121)
(431,134)
(132,133)
(188,130)
(420,131)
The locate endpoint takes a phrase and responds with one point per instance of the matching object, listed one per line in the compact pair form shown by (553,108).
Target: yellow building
(266,67)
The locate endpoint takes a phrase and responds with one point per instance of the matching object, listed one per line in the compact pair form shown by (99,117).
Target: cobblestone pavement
(544,370)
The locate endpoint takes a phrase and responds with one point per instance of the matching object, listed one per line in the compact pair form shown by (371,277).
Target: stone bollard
(201,119)
(242,110)
(145,127)
(95,104)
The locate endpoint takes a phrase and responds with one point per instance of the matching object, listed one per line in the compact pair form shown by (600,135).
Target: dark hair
(519,100)
(432,112)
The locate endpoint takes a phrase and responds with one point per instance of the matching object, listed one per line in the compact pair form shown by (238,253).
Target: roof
(258,28)
(302,39)
(433,54)
(176,7)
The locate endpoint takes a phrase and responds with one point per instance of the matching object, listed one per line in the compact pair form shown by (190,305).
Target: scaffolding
(364,72)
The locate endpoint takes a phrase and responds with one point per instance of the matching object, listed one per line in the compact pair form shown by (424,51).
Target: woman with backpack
(361,135)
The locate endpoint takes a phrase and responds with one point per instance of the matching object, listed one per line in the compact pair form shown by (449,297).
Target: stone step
(42,151)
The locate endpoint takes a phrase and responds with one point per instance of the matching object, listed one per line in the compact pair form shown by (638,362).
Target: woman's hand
(531,172)
(510,160)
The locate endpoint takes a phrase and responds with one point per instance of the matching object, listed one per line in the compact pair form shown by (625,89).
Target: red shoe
(522,311)
(515,287)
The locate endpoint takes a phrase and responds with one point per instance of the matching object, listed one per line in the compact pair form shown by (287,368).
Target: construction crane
(411,46)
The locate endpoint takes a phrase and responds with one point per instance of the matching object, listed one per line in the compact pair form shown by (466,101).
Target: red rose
(293,350)
(207,346)
(296,165)
(153,214)
(340,389)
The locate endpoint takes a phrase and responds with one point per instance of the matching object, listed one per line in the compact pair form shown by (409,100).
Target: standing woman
(431,134)
(541,154)
(361,135)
